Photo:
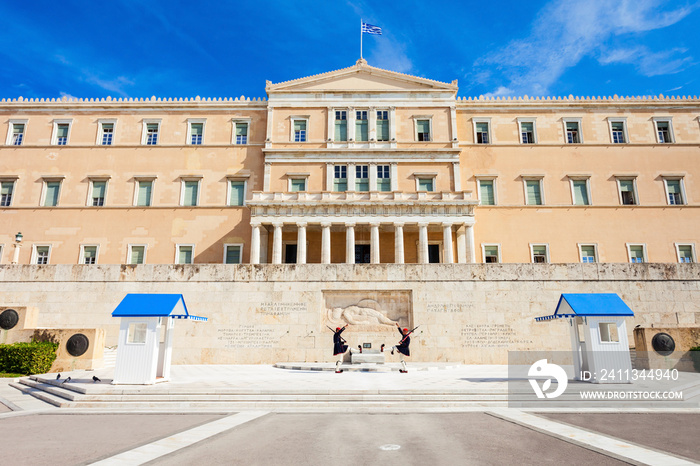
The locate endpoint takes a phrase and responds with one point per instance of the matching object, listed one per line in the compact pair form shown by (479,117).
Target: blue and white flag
(369,29)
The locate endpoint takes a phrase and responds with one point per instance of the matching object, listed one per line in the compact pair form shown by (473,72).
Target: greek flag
(369,29)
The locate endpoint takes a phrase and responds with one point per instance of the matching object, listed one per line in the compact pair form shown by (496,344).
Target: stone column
(15,255)
(447,242)
(301,243)
(373,176)
(462,245)
(374,243)
(350,243)
(471,249)
(330,174)
(277,243)
(266,177)
(255,244)
(423,243)
(398,243)
(351,176)
(325,243)
(394,176)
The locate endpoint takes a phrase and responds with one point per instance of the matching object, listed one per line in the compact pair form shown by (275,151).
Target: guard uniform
(403,346)
(338,346)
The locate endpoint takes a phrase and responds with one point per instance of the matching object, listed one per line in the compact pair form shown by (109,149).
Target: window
(52,190)
(636,253)
(136,334)
(61,131)
(487,191)
(685,253)
(384,178)
(340,178)
(88,255)
(185,254)
(426,184)
(482,131)
(382,125)
(241,132)
(361,126)
(297,185)
(491,253)
(533,191)
(41,254)
(144,192)
(151,129)
(664,130)
(618,130)
(136,254)
(362,178)
(539,253)
(190,193)
(608,332)
(98,191)
(674,191)
(628,191)
(6,189)
(341,125)
(423,130)
(196,133)
(105,135)
(299,127)
(588,253)
(236,196)
(572,129)
(15,133)
(580,191)
(527,131)
(232,253)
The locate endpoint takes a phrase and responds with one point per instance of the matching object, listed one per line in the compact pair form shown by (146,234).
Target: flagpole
(360,37)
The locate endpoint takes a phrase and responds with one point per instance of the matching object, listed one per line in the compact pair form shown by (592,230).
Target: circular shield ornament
(77,345)
(663,344)
(8,319)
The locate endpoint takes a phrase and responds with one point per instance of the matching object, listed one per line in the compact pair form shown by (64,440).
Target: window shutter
(237,193)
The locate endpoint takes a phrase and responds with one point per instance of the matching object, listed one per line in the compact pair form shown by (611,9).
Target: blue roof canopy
(154,305)
(589,305)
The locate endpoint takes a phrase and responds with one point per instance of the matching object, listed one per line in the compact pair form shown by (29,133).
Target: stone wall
(468,313)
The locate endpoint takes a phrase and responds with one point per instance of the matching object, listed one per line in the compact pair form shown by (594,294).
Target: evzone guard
(339,347)
(403,346)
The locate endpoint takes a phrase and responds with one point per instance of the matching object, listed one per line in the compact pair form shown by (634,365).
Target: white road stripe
(165,446)
(608,446)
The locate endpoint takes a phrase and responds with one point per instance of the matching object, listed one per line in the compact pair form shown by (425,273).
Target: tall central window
(152,134)
(340,178)
(299,130)
(423,130)
(382,125)
(361,126)
(383,178)
(361,178)
(341,125)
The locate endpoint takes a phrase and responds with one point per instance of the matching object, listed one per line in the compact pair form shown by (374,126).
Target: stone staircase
(108,397)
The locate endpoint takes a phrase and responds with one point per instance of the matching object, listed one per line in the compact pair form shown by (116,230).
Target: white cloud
(502,91)
(565,32)
(647,62)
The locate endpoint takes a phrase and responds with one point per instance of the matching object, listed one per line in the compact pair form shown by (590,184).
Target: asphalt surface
(386,439)
(673,433)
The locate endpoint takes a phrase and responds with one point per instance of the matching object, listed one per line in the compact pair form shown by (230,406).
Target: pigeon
(95,379)
(58,376)
(67,380)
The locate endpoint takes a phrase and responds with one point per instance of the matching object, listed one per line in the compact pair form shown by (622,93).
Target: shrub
(27,358)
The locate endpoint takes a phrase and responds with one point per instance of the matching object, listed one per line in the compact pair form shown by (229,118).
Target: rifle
(342,340)
(407,334)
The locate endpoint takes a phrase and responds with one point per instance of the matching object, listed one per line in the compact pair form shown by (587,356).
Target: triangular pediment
(361,78)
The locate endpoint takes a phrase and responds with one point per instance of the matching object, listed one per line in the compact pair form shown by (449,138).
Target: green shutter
(382,130)
(62,131)
(52,191)
(580,192)
(98,189)
(137,254)
(237,193)
(90,252)
(425,184)
(6,189)
(233,254)
(674,186)
(185,255)
(588,253)
(686,253)
(197,129)
(486,193)
(534,196)
(341,130)
(241,129)
(144,194)
(637,253)
(298,185)
(299,125)
(626,186)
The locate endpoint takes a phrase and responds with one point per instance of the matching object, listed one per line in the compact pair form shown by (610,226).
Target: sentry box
(598,335)
(146,336)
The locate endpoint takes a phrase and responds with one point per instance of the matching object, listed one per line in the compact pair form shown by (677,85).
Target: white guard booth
(146,336)
(598,335)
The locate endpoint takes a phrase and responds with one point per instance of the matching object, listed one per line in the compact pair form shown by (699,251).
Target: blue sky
(229,48)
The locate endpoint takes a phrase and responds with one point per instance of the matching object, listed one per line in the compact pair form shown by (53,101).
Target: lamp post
(18,244)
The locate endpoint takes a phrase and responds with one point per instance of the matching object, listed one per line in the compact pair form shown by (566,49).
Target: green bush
(695,356)
(27,358)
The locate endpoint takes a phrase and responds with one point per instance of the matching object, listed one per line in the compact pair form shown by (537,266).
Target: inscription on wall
(490,336)
(448,307)
(247,336)
(281,308)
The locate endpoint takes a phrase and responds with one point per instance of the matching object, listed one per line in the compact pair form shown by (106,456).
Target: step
(49,388)
(42,395)
(282,405)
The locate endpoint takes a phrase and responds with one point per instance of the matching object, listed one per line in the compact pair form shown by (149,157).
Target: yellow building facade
(358,165)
